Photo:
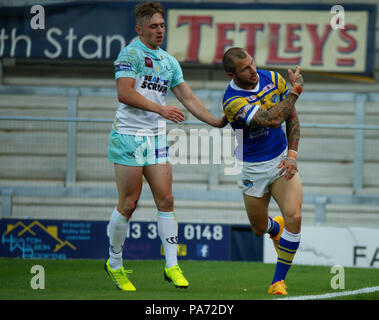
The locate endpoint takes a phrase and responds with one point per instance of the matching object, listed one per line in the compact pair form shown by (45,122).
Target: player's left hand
(289,166)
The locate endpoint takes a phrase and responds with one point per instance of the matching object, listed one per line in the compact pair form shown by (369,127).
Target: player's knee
(166,203)
(258,230)
(294,218)
(128,206)
(293,221)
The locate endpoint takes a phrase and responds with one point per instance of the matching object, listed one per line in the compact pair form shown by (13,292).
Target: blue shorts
(137,151)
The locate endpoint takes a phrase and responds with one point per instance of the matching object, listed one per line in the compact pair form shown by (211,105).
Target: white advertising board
(349,247)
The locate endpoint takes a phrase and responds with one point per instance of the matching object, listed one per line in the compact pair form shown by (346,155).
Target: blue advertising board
(52,239)
(92,31)
(196,241)
(56,239)
(277,35)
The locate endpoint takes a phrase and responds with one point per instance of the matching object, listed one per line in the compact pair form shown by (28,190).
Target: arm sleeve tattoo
(275,116)
(293,130)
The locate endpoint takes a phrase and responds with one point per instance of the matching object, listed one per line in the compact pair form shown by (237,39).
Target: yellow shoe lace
(121,276)
(279,286)
(176,275)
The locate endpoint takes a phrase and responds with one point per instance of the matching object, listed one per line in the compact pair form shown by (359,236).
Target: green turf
(86,279)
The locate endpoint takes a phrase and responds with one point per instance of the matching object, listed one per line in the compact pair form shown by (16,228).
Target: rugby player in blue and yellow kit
(256,103)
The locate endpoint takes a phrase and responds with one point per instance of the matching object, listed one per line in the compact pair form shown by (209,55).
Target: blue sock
(272,227)
(288,244)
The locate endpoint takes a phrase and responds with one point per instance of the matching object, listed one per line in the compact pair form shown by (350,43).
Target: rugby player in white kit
(137,144)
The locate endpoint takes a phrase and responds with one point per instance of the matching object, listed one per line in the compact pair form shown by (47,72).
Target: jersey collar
(235,87)
(146,49)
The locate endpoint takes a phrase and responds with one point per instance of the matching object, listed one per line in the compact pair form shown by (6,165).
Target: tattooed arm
(275,116)
(289,164)
(285,111)
(293,131)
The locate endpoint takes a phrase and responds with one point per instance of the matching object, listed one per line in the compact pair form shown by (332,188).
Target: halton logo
(34,239)
(155,84)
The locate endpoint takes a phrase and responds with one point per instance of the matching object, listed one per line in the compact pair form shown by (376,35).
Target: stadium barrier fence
(70,189)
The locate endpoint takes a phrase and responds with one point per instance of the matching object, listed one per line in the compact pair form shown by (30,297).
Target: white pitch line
(334,294)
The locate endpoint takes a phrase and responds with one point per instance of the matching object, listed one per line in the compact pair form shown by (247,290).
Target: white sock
(168,232)
(117,228)
(293,237)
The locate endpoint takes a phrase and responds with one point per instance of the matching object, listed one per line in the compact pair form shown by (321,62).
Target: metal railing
(70,189)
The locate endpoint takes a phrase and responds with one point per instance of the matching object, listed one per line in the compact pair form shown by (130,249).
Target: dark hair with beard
(228,61)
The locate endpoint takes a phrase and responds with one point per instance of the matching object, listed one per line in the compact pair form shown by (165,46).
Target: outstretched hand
(222,122)
(296,78)
(172,113)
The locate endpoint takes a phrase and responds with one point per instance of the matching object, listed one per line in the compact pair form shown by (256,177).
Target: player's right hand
(296,78)
(172,113)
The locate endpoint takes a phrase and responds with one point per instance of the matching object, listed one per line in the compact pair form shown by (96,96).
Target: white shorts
(255,178)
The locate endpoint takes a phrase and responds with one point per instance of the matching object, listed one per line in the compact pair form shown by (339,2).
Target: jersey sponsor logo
(254,134)
(242,113)
(155,84)
(123,66)
(148,62)
(274,98)
(252,98)
(268,87)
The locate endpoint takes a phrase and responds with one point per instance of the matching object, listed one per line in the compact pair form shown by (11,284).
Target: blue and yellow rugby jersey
(259,143)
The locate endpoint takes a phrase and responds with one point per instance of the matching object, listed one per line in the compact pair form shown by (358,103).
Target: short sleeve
(240,110)
(282,86)
(177,77)
(127,64)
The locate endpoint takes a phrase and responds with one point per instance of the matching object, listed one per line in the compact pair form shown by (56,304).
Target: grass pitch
(87,280)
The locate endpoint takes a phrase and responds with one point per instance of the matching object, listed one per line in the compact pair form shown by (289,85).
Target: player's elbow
(123,97)
(271,123)
(266,118)
(274,124)
(266,124)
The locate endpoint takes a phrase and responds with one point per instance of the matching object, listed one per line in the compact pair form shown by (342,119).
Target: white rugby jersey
(155,72)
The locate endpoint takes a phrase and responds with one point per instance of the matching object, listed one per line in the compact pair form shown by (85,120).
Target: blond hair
(146,10)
